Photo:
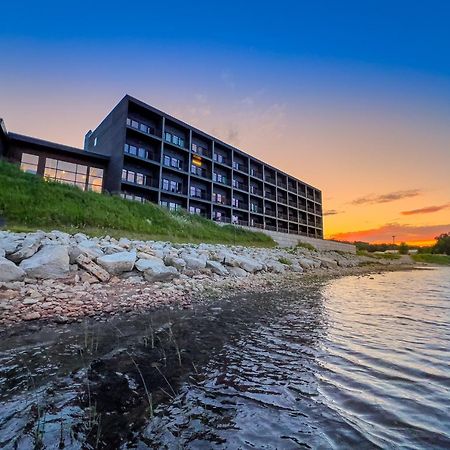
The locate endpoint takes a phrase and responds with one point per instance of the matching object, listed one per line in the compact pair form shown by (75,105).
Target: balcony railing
(255,191)
(198,150)
(255,209)
(239,185)
(222,201)
(292,188)
(240,167)
(241,205)
(270,213)
(269,196)
(282,216)
(139,152)
(270,180)
(201,195)
(282,185)
(281,200)
(292,203)
(222,219)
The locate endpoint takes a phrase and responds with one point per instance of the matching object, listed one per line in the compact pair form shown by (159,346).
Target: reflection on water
(358,362)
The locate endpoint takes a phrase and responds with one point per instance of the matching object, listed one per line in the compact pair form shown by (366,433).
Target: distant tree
(442,244)
(403,249)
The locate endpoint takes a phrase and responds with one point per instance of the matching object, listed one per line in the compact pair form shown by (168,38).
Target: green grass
(29,203)
(432,259)
(378,255)
(285,261)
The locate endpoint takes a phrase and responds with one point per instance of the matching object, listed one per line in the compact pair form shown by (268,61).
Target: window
(133,197)
(84,177)
(172,206)
(195,210)
(165,184)
(253,208)
(95,141)
(168,136)
(29,163)
(194,148)
(235,202)
(196,192)
(174,162)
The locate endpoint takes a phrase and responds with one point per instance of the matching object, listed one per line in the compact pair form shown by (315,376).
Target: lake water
(356,362)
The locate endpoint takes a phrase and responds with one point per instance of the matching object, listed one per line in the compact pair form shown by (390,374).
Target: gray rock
(9,271)
(307,263)
(328,263)
(111,249)
(275,266)
(237,272)
(159,272)
(51,261)
(193,261)
(10,243)
(144,264)
(175,261)
(249,265)
(31,316)
(117,262)
(216,267)
(2,253)
(30,245)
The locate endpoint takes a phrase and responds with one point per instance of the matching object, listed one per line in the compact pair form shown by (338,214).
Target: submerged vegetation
(28,202)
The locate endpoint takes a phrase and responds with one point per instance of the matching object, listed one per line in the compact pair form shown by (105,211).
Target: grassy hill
(27,202)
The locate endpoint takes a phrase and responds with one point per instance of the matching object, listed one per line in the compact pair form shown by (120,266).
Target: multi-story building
(144,154)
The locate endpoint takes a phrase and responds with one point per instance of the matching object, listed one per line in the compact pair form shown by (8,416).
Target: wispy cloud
(372,199)
(406,233)
(332,212)
(426,210)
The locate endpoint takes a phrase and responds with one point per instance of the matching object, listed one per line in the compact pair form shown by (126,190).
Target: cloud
(402,233)
(332,212)
(426,210)
(386,198)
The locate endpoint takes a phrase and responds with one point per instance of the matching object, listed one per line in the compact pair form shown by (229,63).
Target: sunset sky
(352,97)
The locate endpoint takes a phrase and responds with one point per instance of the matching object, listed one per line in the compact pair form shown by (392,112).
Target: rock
(194,262)
(87,264)
(51,261)
(296,267)
(31,316)
(227,258)
(307,263)
(237,272)
(328,263)
(10,243)
(155,271)
(117,262)
(144,264)
(2,253)
(9,271)
(216,267)
(61,319)
(275,266)
(111,249)
(249,265)
(175,261)
(124,243)
(88,248)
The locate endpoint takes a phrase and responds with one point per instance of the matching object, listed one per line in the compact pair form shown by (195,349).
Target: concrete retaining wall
(291,240)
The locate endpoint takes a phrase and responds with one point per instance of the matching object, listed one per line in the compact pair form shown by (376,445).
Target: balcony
(269,180)
(219,178)
(282,216)
(240,185)
(270,212)
(199,194)
(140,153)
(221,219)
(173,163)
(282,200)
(255,209)
(240,167)
(241,205)
(173,139)
(220,159)
(282,185)
(256,173)
(199,150)
(292,188)
(269,195)
(200,172)
(293,204)
(142,127)
(255,191)
(220,200)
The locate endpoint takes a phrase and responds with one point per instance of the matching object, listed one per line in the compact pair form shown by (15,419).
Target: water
(356,362)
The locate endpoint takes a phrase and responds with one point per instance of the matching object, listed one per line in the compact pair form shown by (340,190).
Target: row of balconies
(271,177)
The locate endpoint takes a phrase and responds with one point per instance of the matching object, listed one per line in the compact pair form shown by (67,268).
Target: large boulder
(154,270)
(237,272)
(117,263)
(9,271)
(194,261)
(87,248)
(51,261)
(216,267)
(307,263)
(328,263)
(30,245)
(146,263)
(175,261)
(10,243)
(275,266)
(249,265)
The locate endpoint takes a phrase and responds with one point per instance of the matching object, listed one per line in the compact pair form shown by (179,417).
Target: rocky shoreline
(60,278)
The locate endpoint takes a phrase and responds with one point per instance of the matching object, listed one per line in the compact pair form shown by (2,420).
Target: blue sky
(354,87)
